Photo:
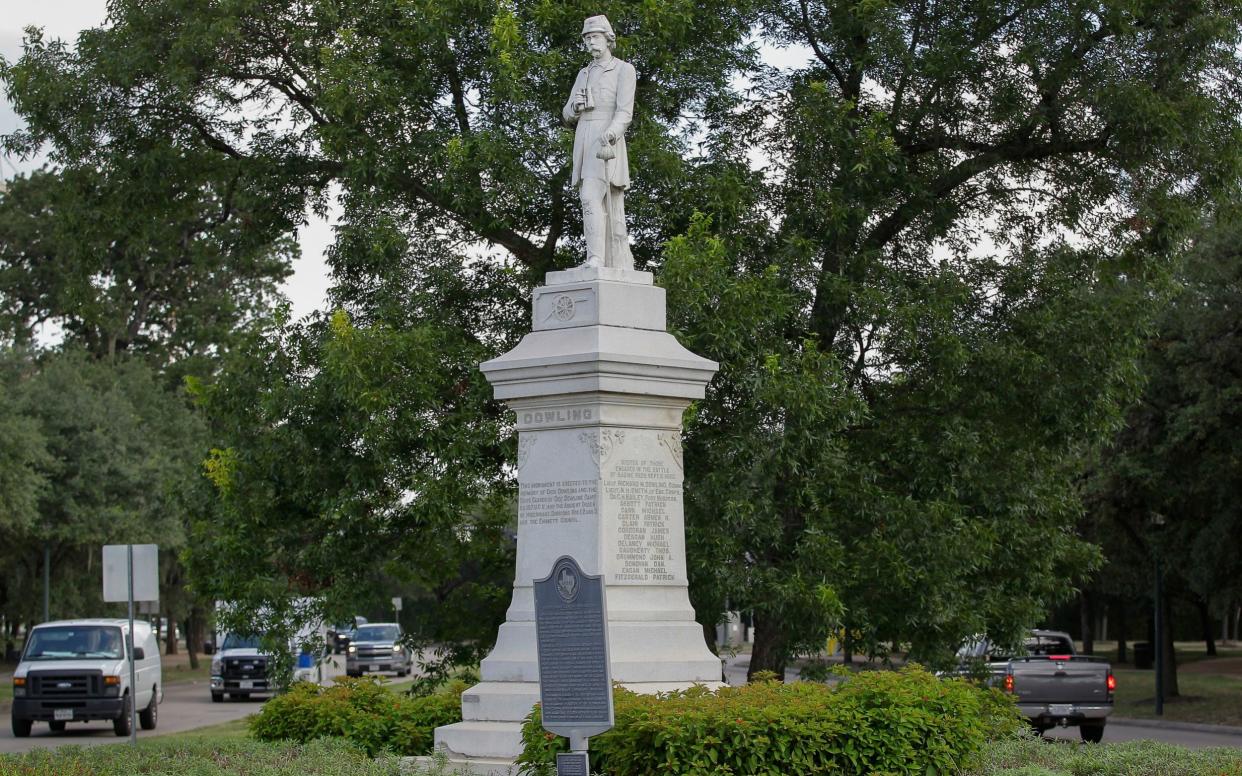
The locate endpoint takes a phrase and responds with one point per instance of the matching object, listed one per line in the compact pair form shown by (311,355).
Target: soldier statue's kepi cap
(598,24)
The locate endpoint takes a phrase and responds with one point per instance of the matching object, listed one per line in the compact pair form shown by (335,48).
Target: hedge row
(359,710)
(876,723)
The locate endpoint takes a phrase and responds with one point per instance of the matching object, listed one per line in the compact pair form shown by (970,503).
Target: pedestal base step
(479,740)
(461,767)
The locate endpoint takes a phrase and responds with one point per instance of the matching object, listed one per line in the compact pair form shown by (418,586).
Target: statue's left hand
(610,136)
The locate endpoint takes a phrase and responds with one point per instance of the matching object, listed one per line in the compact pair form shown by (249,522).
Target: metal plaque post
(133,679)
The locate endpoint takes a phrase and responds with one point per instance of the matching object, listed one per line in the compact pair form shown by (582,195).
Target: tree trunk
(170,638)
(1205,622)
(709,635)
(1086,617)
(194,634)
(1168,659)
(1119,617)
(847,646)
(768,651)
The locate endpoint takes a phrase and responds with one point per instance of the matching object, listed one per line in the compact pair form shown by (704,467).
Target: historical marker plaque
(572,764)
(575,681)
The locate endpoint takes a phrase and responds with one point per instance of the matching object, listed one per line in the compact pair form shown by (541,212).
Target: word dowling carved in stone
(601,106)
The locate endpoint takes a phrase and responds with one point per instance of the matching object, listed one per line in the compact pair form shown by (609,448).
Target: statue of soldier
(601,107)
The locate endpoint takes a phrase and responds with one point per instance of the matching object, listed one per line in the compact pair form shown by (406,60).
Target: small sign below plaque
(571,631)
(572,764)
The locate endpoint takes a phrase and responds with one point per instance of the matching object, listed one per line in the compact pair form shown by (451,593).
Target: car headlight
(19,687)
(216,665)
(396,650)
(352,648)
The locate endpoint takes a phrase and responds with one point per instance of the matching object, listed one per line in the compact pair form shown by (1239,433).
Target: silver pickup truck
(1052,685)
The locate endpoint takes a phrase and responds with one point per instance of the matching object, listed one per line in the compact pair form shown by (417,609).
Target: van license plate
(373,668)
(61,715)
(1061,709)
(245,684)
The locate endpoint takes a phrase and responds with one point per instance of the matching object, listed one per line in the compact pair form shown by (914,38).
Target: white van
(77,671)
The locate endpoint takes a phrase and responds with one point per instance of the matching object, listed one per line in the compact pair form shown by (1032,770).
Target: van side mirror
(139,654)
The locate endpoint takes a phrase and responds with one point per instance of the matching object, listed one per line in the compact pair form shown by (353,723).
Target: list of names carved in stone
(557,501)
(646,492)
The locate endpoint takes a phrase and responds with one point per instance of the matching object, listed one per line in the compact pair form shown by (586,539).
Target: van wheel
(1091,733)
(217,697)
(57,726)
(149,716)
(121,725)
(21,727)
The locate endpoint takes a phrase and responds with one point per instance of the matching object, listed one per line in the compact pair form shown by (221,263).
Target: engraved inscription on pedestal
(642,499)
(575,681)
(644,490)
(555,417)
(557,501)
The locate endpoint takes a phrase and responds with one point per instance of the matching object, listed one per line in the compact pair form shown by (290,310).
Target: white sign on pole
(396,603)
(146,572)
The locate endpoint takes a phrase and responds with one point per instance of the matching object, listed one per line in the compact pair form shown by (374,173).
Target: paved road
(186,706)
(1119,730)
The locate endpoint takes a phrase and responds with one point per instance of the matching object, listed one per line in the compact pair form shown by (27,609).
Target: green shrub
(882,722)
(1029,756)
(202,757)
(361,711)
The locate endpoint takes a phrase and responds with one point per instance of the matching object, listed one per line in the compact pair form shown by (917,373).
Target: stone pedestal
(598,388)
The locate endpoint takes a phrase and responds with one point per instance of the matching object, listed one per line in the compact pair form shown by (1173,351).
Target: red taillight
(1059,657)
(1112,683)
(1009,683)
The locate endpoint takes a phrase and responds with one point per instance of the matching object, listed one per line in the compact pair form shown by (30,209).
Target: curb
(1194,727)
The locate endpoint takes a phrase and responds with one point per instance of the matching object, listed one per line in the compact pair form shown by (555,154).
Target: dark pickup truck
(1052,685)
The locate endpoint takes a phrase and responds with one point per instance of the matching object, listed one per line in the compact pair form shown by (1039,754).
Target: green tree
(118,448)
(1171,483)
(927,305)
(153,255)
(151,251)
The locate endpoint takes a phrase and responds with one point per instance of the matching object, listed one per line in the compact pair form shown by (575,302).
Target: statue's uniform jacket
(612,90)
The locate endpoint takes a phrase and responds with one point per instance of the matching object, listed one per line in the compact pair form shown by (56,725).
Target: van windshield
(74,642)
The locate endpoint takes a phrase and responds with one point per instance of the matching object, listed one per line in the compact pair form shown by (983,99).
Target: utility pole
(47,580)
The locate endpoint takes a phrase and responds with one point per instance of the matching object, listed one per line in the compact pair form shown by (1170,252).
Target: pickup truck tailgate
(1066,680)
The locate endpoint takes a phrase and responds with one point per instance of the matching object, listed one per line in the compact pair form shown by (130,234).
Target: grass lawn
(1033,757)
(207,756)
(1187,651)
(1214,699)
(237,729)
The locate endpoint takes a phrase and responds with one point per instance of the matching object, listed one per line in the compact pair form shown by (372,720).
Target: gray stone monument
(598,389)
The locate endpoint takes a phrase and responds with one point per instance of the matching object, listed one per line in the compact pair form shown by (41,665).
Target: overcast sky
(64,19)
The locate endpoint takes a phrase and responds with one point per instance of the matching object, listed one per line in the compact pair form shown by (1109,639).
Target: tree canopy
(924,257)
